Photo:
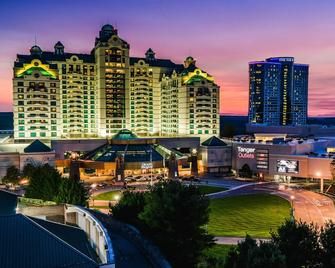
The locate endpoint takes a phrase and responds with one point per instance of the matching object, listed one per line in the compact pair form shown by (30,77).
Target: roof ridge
(56,238)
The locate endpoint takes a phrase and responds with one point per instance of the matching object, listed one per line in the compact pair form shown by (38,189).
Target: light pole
(318,175)
(292,209)
(151,167)
(93,187)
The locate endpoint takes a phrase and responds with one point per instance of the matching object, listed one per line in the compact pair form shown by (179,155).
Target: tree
(247,254)
(245,171)
(72,191)
(130,205)
(44,183)
(327,240)
(28,170)
(298,241)
(12,175)
(176,215)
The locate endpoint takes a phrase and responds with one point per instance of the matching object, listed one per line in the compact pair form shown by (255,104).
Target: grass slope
(205,189)
(255,215)
(108,195)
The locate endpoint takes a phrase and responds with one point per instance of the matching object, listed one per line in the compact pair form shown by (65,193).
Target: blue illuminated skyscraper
(278,92)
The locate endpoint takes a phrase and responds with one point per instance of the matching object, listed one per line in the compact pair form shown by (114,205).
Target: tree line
(294,245)
(46,183)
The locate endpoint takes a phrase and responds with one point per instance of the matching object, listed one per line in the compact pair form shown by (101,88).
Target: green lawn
(205,189)
(255,215)
(112,195)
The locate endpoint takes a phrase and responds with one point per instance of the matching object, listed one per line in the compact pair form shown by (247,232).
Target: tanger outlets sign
(243,152)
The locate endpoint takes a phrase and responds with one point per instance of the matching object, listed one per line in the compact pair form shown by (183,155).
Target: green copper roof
(195,78)
(124,134)
(213,141)
(40,69)
(37,147)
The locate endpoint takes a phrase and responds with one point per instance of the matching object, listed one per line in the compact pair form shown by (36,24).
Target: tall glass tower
(278,92)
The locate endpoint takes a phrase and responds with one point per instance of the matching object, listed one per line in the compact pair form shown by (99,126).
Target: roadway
(308,206)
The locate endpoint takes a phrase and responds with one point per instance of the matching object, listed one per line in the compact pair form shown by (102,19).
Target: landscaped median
(109,196)
(115,195)
(206,189)
(255,214)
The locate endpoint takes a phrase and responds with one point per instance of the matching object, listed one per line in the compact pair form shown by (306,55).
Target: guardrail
(97,234)
(134,235)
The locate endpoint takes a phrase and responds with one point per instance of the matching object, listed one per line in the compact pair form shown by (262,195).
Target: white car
(129,179)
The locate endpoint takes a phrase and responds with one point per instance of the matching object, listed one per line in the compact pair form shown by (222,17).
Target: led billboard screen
(287,166)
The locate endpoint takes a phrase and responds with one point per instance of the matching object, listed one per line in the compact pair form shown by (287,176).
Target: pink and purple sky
(223,36)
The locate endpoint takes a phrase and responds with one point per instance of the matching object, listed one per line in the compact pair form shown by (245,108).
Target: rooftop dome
(124,134)
(189,61)
(107,27)
(35,50)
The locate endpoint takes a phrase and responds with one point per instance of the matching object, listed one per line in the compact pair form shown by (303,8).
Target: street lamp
(318,175)
(292,209)
(93,186)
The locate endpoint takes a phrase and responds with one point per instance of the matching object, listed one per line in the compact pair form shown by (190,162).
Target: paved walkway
(226,240)
(309,206)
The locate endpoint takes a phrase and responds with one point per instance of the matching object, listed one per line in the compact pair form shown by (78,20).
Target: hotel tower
(58,94)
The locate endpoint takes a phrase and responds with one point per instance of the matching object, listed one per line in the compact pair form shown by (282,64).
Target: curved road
(308,206)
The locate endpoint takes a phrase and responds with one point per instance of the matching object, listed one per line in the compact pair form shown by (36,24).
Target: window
(20,84)
(21,128)
(21,115)
(21,134)
(33,134)
(42,134)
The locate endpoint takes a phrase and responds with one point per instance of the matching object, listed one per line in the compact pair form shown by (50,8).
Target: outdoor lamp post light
(93,186)
(117,197)
(292,209)
(318,175)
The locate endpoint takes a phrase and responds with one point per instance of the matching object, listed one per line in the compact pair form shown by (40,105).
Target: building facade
(71,95)
(281,158)
(278,92)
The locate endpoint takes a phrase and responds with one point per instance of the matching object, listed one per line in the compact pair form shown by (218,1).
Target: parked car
(129,179)
(142,179)
(196,179)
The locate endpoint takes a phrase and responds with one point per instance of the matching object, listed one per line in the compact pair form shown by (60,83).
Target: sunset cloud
(222,35)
